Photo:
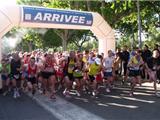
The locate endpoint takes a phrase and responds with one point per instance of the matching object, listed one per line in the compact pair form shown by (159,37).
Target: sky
(7,2)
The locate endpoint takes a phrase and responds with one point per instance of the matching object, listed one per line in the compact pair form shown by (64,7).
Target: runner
(60,72)
(108,70)
(125,59)
(116,66)
(5,72)
(153,66)
(48,75)
(68,73)
(135,65)
(78,73)
(15,74)
(32,75)
(94,70)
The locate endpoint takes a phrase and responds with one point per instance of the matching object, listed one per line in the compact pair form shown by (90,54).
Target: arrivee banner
(54,16)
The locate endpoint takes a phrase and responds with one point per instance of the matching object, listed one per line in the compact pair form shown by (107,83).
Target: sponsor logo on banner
(54,16)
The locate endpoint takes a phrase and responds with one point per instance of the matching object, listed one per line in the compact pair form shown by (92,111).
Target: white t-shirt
(108,62)
(91,60)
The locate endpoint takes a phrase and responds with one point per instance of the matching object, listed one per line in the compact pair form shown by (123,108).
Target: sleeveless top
(32,70)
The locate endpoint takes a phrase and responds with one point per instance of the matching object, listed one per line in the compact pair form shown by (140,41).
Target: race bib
(16,76)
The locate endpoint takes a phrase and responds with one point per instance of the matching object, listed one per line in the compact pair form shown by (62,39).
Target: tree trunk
(65,39)
(30,46)
(64,44)
(102,9)
(65,36)
(76,4)
(88,5)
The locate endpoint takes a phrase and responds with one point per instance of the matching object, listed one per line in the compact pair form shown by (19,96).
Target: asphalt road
(23,108)
(118,105)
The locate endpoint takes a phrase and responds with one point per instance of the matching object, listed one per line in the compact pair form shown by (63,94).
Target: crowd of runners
(49,72)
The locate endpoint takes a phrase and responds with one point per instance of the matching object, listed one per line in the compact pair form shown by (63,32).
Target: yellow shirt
(135,63)
(84,59)
(94,69)
(71,66)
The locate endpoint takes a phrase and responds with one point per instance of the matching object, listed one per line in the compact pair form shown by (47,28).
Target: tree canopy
(121,15)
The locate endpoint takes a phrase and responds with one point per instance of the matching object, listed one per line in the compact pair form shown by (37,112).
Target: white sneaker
(84,88)
(5,93)
(94,93)
(131,94)
(18,94)
(66,94)
(15,95)
(157,94)
(40,91)
(108,90)
(78,94)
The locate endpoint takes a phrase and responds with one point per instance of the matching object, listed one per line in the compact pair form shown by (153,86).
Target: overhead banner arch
(40,17)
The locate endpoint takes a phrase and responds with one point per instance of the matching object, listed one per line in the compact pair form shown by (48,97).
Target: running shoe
(78,94)
(33,92)
(94,93)
(15,95)
(108,90)
(157,94)
(131,94)
(40,91)
(66,94)
(53,96)
(5,93)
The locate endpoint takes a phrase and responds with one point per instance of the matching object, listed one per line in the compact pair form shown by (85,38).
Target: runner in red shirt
(32,74)
(48,74)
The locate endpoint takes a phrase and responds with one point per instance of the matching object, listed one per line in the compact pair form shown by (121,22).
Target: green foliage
(51,39)
(121,15)
(79,38)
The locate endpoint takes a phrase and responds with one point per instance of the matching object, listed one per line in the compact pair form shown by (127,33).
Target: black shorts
(117,72)
(32,80)
(107,74)
(47,75)
(78,77)
(134,73)
(92,78)
(4,77)
(70,76)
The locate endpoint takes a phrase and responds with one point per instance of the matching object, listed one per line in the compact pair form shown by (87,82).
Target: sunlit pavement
(117,105)
(23,108)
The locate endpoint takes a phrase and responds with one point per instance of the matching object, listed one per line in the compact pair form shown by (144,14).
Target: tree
(80,37)
(32,40)
(51,39)
(121,15)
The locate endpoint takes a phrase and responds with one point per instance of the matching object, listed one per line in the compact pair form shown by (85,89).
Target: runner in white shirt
(91,58)
(108,70)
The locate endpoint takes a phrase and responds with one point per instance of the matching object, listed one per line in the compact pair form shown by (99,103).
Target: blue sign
(54,16)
